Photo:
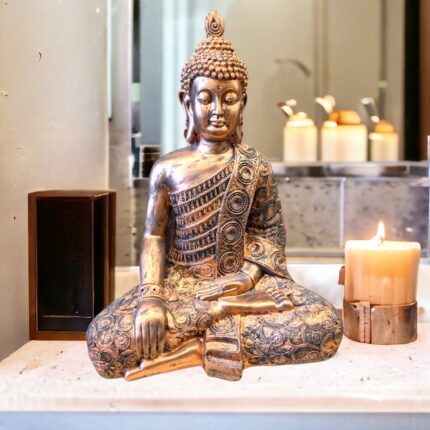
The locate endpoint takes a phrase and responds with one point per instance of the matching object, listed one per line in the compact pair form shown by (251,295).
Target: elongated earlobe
(190,131)
(237,136)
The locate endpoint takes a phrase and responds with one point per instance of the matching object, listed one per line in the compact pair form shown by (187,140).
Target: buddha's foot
(254,302)
(188,355)
(135,372)
(144,369)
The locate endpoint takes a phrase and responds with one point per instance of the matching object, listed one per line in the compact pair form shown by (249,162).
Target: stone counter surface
(58,376)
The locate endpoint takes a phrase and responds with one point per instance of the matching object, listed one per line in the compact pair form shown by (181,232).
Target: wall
(53,126)
(151,41)
(120,126)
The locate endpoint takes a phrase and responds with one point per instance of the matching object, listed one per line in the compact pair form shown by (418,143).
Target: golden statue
(215,290)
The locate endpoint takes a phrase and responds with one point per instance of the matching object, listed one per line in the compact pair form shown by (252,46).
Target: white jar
(384,142)
(343,138)
(300,139)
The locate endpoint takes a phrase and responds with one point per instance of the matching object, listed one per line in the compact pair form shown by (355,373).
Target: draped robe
(231,217)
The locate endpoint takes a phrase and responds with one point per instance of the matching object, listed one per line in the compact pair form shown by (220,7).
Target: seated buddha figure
(215,290)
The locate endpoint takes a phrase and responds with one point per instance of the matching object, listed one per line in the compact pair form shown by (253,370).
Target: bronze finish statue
(218,293)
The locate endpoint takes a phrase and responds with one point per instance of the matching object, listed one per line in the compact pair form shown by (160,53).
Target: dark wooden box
(71,260)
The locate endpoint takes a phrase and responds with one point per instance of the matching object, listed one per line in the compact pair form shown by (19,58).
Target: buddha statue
(215,290)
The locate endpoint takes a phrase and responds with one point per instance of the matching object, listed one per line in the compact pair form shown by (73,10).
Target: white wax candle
(383,273)
(300,139)
(343,143)
(384,146)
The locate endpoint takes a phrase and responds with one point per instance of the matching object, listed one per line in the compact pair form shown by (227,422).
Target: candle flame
(380,234)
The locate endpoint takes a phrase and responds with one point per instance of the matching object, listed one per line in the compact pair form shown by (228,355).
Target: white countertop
(58,376)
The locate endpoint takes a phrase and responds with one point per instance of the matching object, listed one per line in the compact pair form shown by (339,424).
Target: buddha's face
(216,108)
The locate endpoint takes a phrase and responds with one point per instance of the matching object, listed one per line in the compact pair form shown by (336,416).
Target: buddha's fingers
(285,304)
(161,335)
(153,339)
(138,336)
(282,301)
(279,297)
(204,289)
(133,373)
(208,296)
(145,336)
(210,293)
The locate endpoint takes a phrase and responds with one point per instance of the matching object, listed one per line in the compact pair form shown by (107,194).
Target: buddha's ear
(245,99)
(189,132)
(185,100)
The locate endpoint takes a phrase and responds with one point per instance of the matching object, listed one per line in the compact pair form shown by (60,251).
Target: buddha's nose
(217,109)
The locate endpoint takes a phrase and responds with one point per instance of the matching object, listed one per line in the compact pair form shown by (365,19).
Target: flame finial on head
(214,57)
(214,24)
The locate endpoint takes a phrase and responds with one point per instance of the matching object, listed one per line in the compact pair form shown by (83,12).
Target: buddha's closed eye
(204,97)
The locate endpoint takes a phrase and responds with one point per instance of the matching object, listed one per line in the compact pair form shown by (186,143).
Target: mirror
(298,49)
(293,49)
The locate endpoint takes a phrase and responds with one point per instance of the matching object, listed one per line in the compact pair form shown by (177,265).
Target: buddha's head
(213,88)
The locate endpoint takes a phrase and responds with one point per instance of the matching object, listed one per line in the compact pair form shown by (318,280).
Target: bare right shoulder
(177,156)
(164,168)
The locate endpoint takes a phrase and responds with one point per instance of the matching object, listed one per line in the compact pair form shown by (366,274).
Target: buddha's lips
(217,123)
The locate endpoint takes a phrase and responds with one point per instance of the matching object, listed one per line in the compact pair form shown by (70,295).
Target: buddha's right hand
(150,327)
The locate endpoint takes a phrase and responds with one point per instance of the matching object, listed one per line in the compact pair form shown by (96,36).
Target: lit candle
(380,271)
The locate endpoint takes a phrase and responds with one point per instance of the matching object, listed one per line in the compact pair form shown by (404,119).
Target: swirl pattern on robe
(234,216)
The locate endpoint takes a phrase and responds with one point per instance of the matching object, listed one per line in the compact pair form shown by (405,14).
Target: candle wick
(380,235)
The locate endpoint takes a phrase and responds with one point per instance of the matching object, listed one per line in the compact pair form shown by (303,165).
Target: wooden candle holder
(379,324)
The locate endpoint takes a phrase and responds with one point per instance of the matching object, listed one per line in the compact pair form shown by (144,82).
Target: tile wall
(321,213)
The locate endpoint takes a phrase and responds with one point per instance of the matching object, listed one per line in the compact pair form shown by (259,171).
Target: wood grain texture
(100,252)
